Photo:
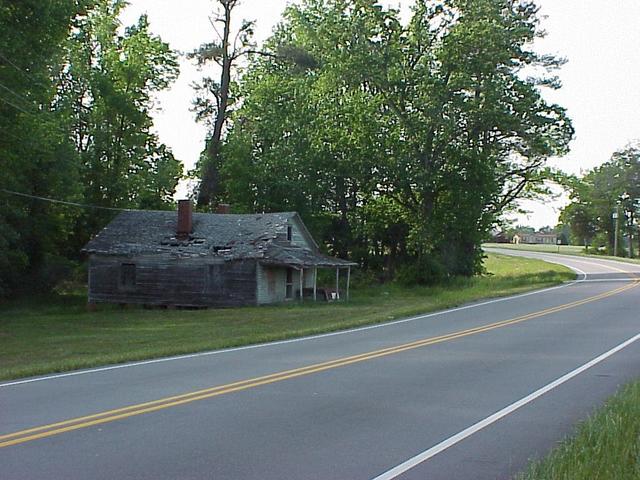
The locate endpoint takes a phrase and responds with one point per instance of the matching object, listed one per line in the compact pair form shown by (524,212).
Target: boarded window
(271,281)
(289,283)
(128,275)
(216,280)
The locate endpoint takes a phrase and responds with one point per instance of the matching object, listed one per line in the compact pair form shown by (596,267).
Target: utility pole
(615,232)
(622,200)
(630,229)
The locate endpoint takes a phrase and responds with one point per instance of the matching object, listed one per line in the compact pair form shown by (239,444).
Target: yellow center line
(49,430)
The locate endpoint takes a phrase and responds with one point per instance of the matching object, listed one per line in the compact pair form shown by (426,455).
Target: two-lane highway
(471,392)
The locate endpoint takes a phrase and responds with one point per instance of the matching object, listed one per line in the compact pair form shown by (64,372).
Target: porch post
(337,283)
(301,284)
(348,278)
(315,283)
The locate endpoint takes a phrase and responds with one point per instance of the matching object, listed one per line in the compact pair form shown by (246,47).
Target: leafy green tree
(305,139)
(106,89)
(476,122)
(75,102)
(36,155)
(613,187)
(579,216)
(628,161)
(215,98)
(434,117)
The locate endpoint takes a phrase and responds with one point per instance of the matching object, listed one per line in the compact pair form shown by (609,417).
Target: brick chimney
(185,219)
(223,208)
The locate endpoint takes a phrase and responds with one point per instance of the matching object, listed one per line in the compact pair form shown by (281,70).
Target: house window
(289,233)
(128,275)
(289,283)
(215,278)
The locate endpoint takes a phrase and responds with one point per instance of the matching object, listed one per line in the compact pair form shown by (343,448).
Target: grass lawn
(56,333)
(562,249)
(605,447)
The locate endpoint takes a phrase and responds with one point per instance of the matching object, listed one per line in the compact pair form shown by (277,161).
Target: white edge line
(467,432)
(609,280)
(293,340)
(587,259)
(548,256)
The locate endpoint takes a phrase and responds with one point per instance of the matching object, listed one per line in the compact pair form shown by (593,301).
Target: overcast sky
(601,82)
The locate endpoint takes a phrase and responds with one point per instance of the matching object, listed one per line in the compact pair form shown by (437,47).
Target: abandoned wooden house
(201,259)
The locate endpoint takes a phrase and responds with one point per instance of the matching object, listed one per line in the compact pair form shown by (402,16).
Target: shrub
(425,270)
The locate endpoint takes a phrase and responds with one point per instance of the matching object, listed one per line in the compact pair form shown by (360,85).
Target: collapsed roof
(228,236)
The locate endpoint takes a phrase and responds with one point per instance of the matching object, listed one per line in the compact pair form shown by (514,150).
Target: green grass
(56,333)
(562,249)
(605,447)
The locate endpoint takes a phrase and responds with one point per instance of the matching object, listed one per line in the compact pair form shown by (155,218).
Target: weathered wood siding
(298,236)
(163,280)
(308,279)
(271,284)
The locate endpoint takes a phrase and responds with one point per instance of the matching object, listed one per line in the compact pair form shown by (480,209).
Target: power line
(15,94)
(63,202)
(15,137)
(15,106)
(24,72)
(58,127)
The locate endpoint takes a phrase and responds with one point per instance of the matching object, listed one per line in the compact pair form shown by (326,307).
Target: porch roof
(301,258)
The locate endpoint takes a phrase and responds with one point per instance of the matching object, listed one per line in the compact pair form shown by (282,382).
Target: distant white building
(535,238)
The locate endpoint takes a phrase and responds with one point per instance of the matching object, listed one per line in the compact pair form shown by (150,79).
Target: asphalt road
(472,392)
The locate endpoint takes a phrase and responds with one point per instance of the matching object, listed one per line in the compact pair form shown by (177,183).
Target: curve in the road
(478,401)
(44,431)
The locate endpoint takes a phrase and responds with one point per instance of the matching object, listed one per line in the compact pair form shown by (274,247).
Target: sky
(601,81)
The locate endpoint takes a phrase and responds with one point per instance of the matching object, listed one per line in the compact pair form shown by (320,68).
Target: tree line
(399,142)
(75,115)
(605,204)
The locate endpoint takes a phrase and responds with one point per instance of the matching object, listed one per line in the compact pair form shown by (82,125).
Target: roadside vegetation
(561,249)
(564,249)
(602,214)
(377,125)
(605,204)
(605,447)
(56,333)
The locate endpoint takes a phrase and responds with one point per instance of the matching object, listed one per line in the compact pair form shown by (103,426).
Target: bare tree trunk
(210,185)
